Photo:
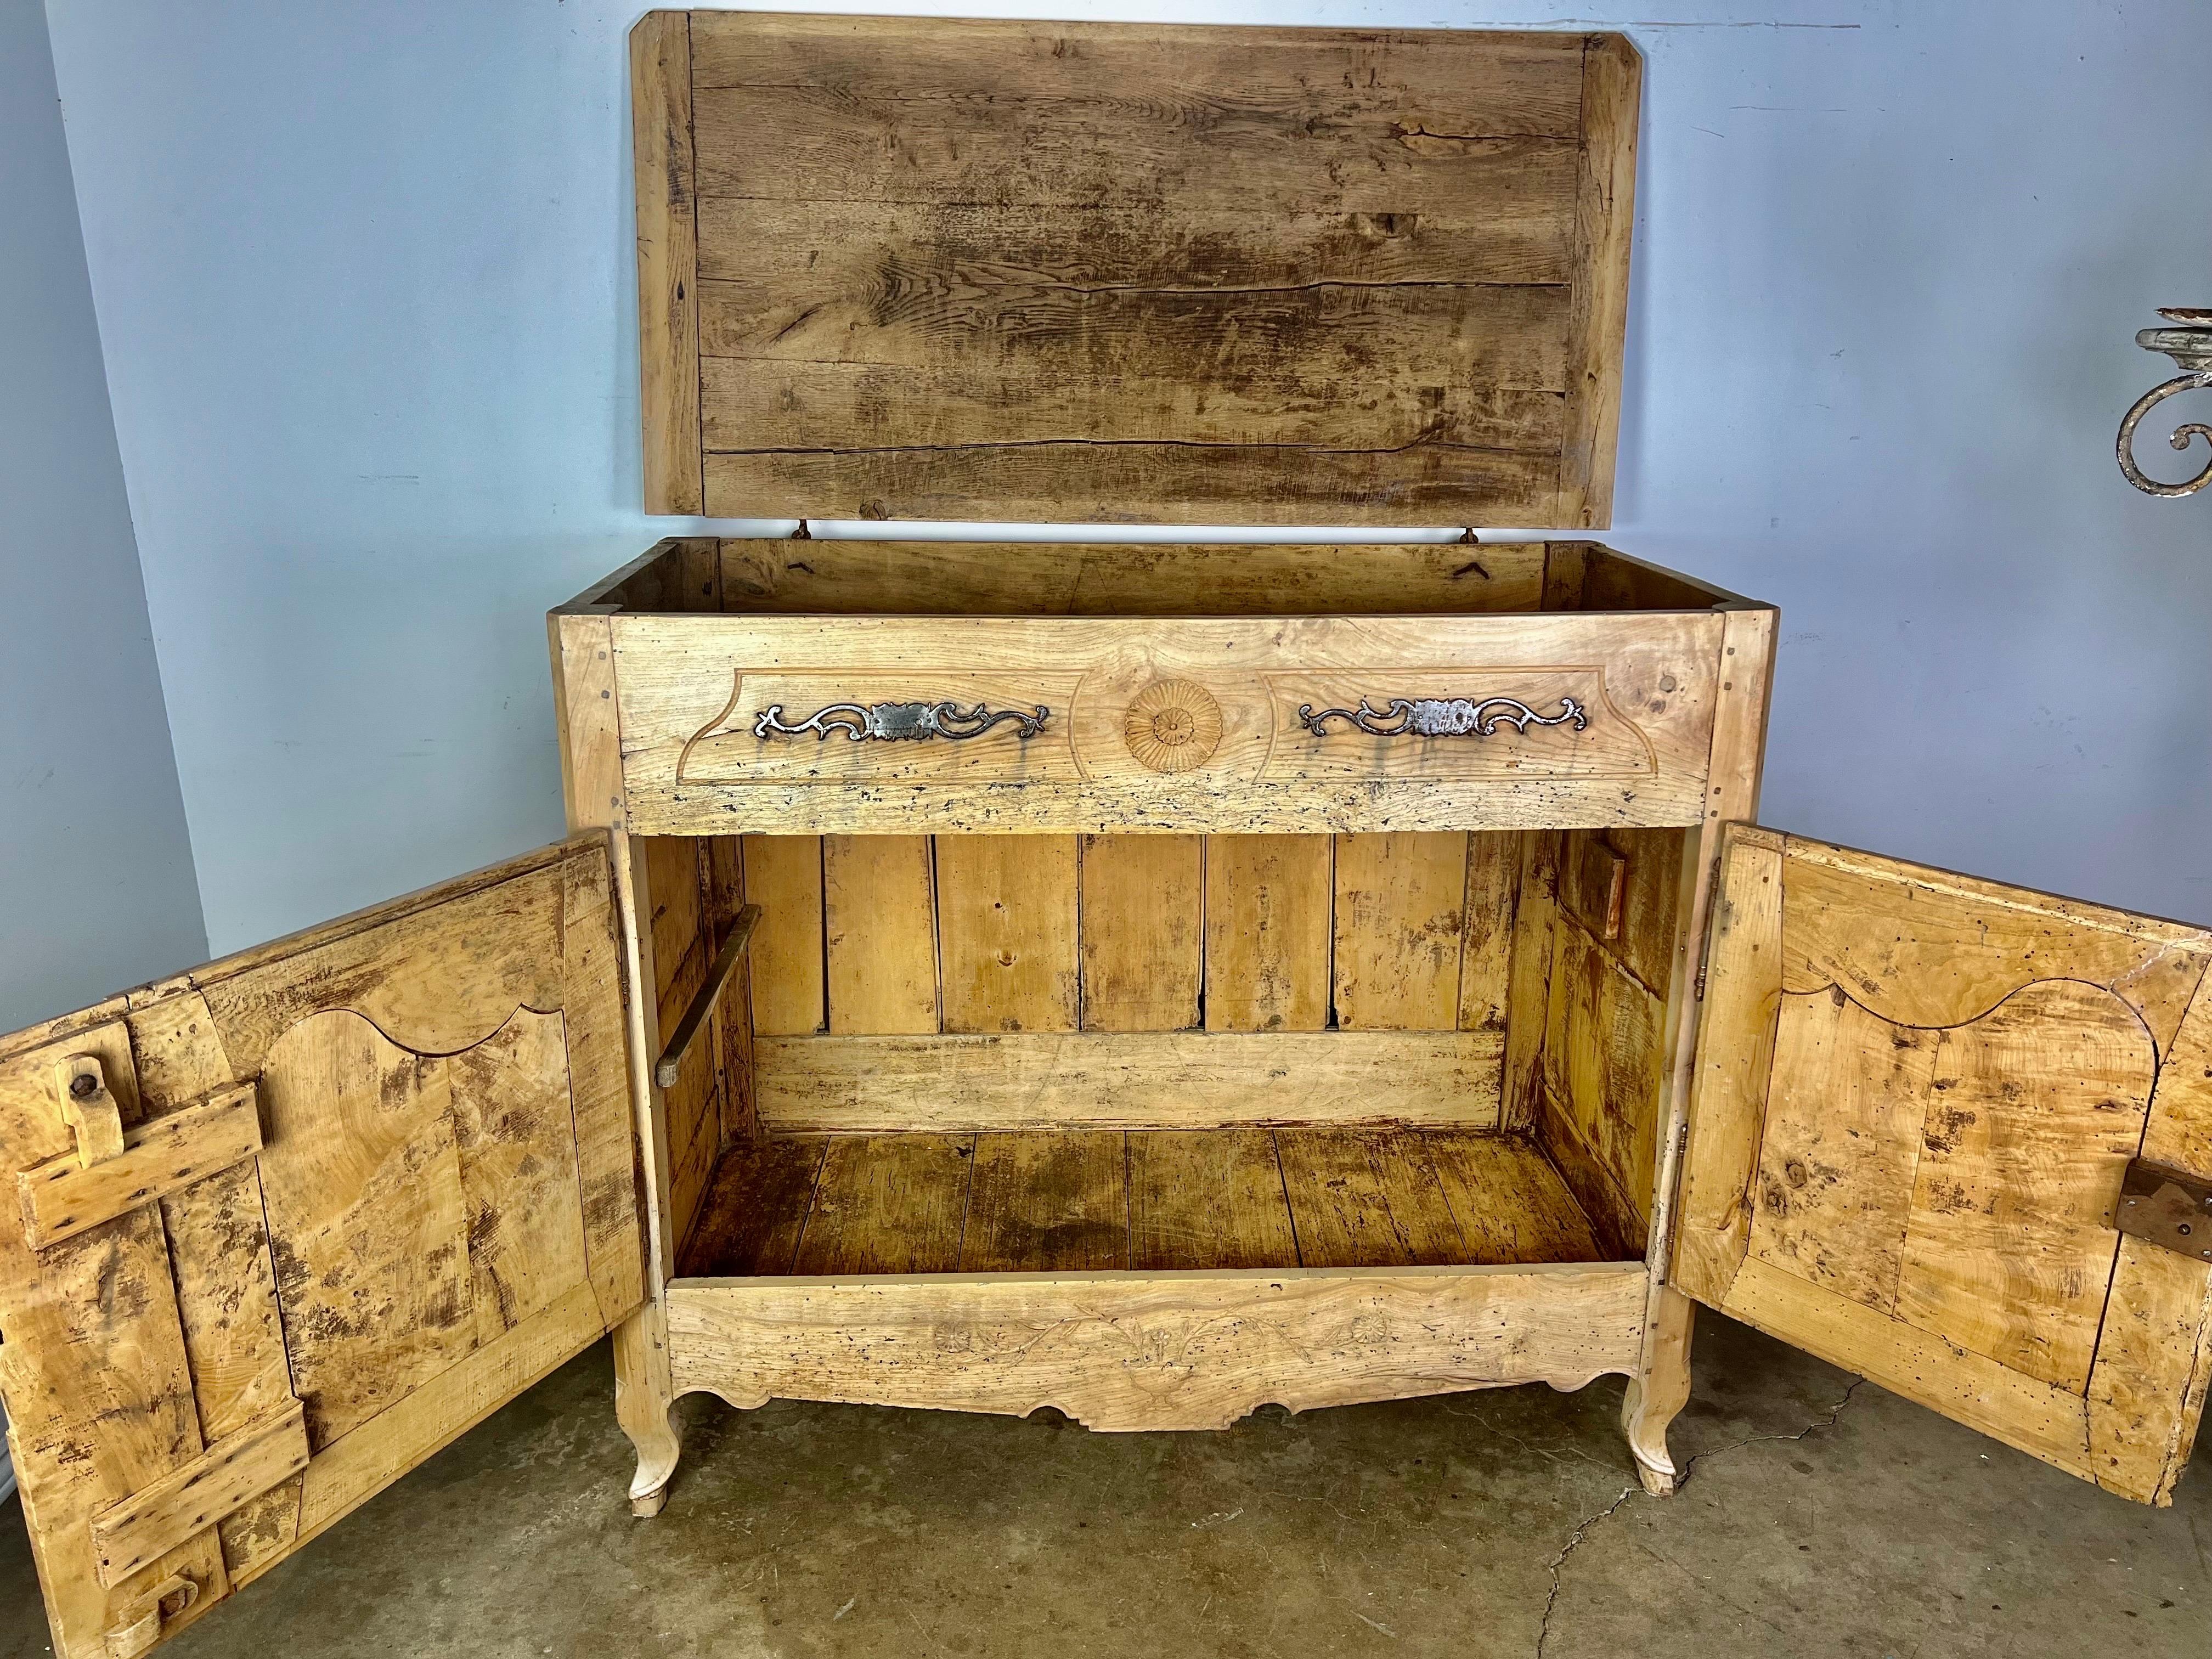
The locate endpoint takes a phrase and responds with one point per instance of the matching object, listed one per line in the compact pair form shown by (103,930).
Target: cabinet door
(1917,1099)
(292,1222)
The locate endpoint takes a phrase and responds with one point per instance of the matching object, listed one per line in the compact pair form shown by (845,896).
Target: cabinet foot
(644,1405)
(1659,1391)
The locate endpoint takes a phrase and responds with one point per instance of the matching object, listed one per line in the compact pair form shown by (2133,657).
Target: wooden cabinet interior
(1246,1091)
(1353,992)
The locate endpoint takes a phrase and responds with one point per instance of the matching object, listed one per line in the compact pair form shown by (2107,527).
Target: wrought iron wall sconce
(2188,341)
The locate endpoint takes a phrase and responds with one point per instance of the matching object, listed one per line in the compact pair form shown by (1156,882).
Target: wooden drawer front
(762,723)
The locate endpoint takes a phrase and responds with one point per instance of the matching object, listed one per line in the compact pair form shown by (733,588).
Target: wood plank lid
(934,268)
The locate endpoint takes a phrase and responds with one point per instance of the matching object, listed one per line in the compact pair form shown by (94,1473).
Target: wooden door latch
(114,1169)
(81,1083)
(2165,1206)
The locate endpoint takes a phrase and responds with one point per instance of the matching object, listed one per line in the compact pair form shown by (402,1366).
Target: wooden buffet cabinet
(1147,981)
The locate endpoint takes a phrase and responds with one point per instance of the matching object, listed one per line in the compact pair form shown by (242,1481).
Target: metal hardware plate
(2165,1206)
(1442,717)
(899,722)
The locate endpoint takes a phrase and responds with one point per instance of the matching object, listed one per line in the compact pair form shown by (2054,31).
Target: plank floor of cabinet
(1151,1200)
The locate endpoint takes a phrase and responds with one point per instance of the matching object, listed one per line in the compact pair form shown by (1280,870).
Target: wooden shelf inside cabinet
(1373,1196)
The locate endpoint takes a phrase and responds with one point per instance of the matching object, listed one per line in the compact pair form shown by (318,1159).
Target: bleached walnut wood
(1133,1081)
(693,689)
(1078,1200)
(1930,1204)
(1120,579)
(1661,1384)
(1597,326)
(1141,919)
(667,260)
(149,1523)
(1000,269)
(379,1163)
(1129,1351)
(879,933)
(783,874)
(64,1197)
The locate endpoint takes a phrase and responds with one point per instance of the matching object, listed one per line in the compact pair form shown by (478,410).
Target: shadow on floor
(1819,1520)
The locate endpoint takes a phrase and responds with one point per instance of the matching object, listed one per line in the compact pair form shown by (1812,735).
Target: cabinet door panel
(1917,1096)
(430,1202)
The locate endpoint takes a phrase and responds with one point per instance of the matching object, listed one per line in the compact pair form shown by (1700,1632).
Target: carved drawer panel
(733,723)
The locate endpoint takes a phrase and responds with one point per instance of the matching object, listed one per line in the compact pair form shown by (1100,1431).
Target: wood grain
(888,1204)
(1143,904)
(1485,972)
(1163,1079)
(1734,1064)
(421,1235)
(1268,908)
(129,1536)
(1400,916)
(694,687)
(64,1197)
(1509,1204)
(1605,221)
(757,1208)
(1056,1202)
(879,909)
(1130,1351)
(1110,579)
(1930,1204)
(1207,1199)
(783,876)
(995,270)
(1529,994)
(1006,933)
(1605,1060)
(1078,1200)
(667,259)
(2153,1362)
(2018,1165)
(1366,1198)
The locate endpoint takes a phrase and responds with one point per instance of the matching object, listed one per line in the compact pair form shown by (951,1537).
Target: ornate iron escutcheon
(1442,717)
(900,722)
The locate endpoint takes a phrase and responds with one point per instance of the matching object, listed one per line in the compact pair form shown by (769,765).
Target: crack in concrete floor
(1558,1565)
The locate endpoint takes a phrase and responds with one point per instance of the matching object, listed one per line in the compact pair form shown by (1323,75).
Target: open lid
(934,268)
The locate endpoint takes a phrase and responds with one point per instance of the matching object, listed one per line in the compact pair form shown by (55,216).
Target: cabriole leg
(644,1399)
(1660,1390)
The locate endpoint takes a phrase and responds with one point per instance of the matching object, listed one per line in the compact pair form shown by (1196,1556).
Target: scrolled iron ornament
(2189,342)
(900,722)
(1442,717)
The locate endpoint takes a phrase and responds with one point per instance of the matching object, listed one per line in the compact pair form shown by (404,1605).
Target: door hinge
(2169,1207)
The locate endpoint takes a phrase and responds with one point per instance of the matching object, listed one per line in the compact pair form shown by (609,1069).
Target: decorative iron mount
(1442,717)
(899,722)
(2189,342)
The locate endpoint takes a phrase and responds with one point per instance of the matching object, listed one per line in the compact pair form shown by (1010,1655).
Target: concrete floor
(1820,1518)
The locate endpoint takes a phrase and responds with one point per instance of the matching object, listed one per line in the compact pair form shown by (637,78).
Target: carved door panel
(1938,1128)
(292,1222)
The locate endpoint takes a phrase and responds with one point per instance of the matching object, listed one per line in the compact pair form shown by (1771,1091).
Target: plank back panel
(1001,269)
(981,953)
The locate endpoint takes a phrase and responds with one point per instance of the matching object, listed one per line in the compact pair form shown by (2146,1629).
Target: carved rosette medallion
(1173,726)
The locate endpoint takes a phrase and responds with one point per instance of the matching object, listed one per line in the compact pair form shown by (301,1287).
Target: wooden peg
(88,1109)
(141,1623)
